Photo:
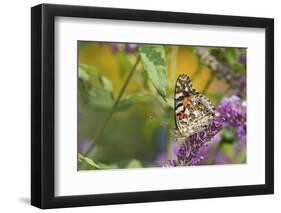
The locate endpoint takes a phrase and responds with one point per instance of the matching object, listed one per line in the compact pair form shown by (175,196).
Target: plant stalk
(99,132)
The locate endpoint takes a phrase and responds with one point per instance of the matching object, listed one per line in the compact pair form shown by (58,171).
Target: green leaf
(134,164)
(228,150)
(125,64)
(83,91)
(91,70)
(153,58)
(86,163)
(137,98)
(231,55)
(228,136)
(142,98)
(105,83)
(101,102)
(125,104)
(129,163)
(167,102)
(108,166)
(239,67)
(105,102)
(83,75)
(121,164)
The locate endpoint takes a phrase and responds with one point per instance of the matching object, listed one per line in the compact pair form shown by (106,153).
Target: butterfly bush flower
(218,68)
(234,111)
(189,151)
(243,59)
(114,47)
(131,48)
(236,117)
(231,109)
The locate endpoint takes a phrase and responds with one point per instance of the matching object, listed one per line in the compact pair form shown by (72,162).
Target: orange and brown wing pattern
(192,110)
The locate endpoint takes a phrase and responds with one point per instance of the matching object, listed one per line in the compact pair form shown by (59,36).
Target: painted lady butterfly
(193,111)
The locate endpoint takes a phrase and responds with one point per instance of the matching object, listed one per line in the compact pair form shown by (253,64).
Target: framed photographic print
(140,106)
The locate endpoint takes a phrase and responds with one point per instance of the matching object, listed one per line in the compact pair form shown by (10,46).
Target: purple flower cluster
(218,68)
(243,59)
(83,145)
(230,108)
(128,48)
(234,111)
(189,151)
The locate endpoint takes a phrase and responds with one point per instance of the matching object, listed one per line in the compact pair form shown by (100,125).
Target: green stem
(99,132)
(208,84)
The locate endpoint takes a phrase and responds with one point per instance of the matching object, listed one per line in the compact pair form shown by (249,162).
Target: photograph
(160,105)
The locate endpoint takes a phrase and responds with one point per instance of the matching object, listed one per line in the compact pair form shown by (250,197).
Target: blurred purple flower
(216,139)
(131,48)
(240,131)
(217,67)
(230,109)
(83,145)
(235,114)
(244,106)
(241,86)
(243,59)
(220,158)
(114,47)
(171,163)
(160,159)
(237,147)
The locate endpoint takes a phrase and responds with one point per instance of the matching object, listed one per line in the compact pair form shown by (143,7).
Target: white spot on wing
(178,95)
(179,109)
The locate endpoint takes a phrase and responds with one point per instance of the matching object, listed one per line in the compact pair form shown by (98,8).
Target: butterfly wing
(183,93)
(202,112)
(192,110)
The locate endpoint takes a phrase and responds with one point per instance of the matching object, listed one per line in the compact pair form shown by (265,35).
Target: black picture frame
(43,105)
